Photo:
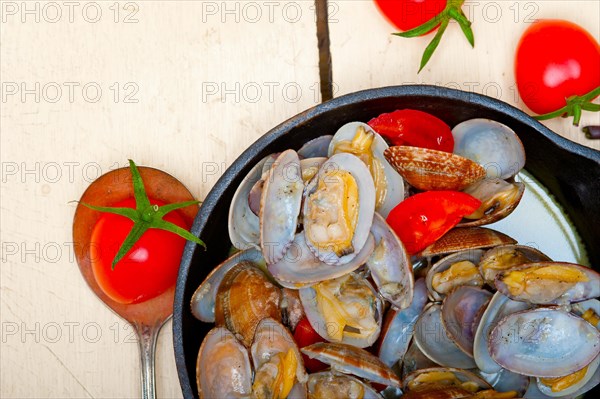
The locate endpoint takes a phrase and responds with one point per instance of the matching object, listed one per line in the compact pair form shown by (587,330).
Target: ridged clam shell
(390,265)
(352,360)
(427,169)
(223,366)
(203,300)
(398,326)
(550,292)
(245,297)
(544,342)
(463,238)
(280,206)
(459,311)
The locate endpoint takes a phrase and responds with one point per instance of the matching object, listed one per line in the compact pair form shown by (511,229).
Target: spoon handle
(147,337)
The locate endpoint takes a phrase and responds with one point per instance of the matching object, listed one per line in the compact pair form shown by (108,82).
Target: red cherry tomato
(555,60)
(305,335)
(423,218)
(408,14)
(148,269)
(414,128)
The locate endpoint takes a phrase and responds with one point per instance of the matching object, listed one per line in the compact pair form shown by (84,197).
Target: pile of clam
(479,316)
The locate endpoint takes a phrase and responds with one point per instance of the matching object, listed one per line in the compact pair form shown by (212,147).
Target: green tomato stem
(453,10)
(575,106)
(145,216)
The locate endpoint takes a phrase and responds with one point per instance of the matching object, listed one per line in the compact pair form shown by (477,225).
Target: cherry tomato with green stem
(408,14)
(557,69)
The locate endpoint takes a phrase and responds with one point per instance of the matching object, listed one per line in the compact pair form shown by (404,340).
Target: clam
(310,166)
(438,392)
(280,206)
(244,298)
(492,145)
(346,309)
(244,224)
(460,310)
(316,147)
(276,359)
(203,300)
(432,339)
(349,359)
(332,385)
(427,169)
(398,327)
(453,271)
(390,265)
(505,381)
(223,367)
(498,307)
(544,342)
(505,257)
(463,238)
(498,199)
(549,283)
(338,209)
(444,376)
(300,267)
(359,139)
(291,308)
(574,384)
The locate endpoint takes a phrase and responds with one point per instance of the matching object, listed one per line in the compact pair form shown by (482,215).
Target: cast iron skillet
(570,171)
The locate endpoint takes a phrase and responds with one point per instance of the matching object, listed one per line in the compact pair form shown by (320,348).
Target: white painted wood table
(183,86)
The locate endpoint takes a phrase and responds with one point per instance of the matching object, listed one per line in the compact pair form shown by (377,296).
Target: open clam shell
(243,224)
(432,338)
(460,310)
(463,238)
(492,145)
(392,185)
(498,199)
(427,169)
(272,338)
(549,283)
(390,265)
(332,385)
(203,299)
(445,376)
(301,268)
(505,257)
(415,359)
(398,326)
(352,360)
(588,310)
(498,307)
(442,278)
(505,381)
(544,342)
(315,206)
(280,206)
(346,309)
(223,367)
